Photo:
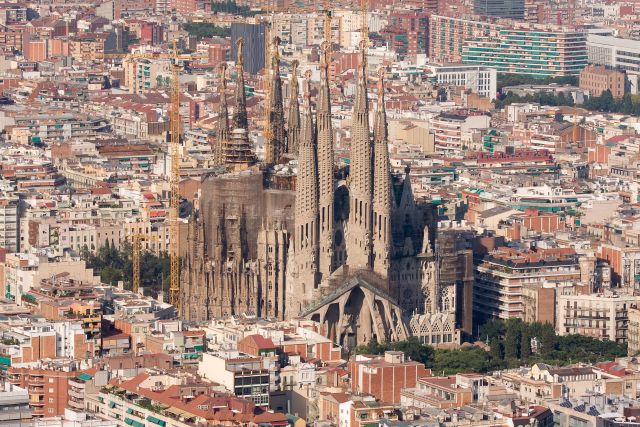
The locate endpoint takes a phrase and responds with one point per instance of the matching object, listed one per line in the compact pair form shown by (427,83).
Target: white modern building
(481,80)
(618,53)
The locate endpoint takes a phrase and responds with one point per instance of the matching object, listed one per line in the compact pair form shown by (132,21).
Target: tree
(206,30)
(525,343)
(413,349)
(511,341)
(465,359)
(548,339)
(492,329)
(497,353)
(627,104)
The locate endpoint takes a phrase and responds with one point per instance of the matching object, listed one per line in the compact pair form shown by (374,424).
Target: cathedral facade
(346,246)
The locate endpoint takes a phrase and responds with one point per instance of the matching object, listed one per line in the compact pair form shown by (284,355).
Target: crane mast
(364,25)
(327,22)
(175,298)
(136,250)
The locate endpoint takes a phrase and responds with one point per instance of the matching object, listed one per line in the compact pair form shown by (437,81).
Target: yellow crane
(327,21)
(174,152)
(364,25)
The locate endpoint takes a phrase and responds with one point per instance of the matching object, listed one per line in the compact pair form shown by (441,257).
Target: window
(50,410)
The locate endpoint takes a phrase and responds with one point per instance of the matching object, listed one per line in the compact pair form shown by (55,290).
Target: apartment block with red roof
(385,376)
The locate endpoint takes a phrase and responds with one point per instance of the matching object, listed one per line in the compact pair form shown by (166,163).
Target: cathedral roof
(348,285)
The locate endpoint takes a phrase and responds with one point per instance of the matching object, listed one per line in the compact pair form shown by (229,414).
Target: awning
(156,420)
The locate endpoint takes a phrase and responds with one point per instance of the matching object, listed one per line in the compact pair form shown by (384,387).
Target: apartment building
(444,392)
(158,399)
(598,79)
(385,376)
(407,33)
(602,316)
(47,385)
(502,274)
(14,402)
(447,36)
(625,265)
(244,375)
(454,129)
(9,230)
(537,51)
(23,271)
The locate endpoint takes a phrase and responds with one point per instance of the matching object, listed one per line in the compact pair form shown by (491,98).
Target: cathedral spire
(382,187)
(293,122)
(223,117)
(325,164)
(240,110)
(361,177)
(306,209)
(274,143)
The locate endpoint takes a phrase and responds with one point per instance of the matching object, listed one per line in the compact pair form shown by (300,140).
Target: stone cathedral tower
(345,245)
(222,125)
(381,188)
(304,269)
(326,190)
(274,143)
(240,109)
(358,232)
(293,121)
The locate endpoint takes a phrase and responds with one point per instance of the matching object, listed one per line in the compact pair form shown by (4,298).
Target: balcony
(76,394)
(76,404)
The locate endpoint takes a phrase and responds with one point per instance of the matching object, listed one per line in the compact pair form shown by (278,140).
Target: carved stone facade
(348,247)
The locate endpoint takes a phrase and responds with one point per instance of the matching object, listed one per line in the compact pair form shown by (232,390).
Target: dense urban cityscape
(353,213)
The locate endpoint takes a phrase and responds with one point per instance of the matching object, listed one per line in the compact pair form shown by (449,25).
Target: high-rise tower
(306,211)
(274,144)
(222,127)
(293,122)
(381,187)
(325,165)
(240,109)
(358,233)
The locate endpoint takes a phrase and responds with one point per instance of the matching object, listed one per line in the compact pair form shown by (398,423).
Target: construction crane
(364,25)
(327,21)
(136,250)
(174,152)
